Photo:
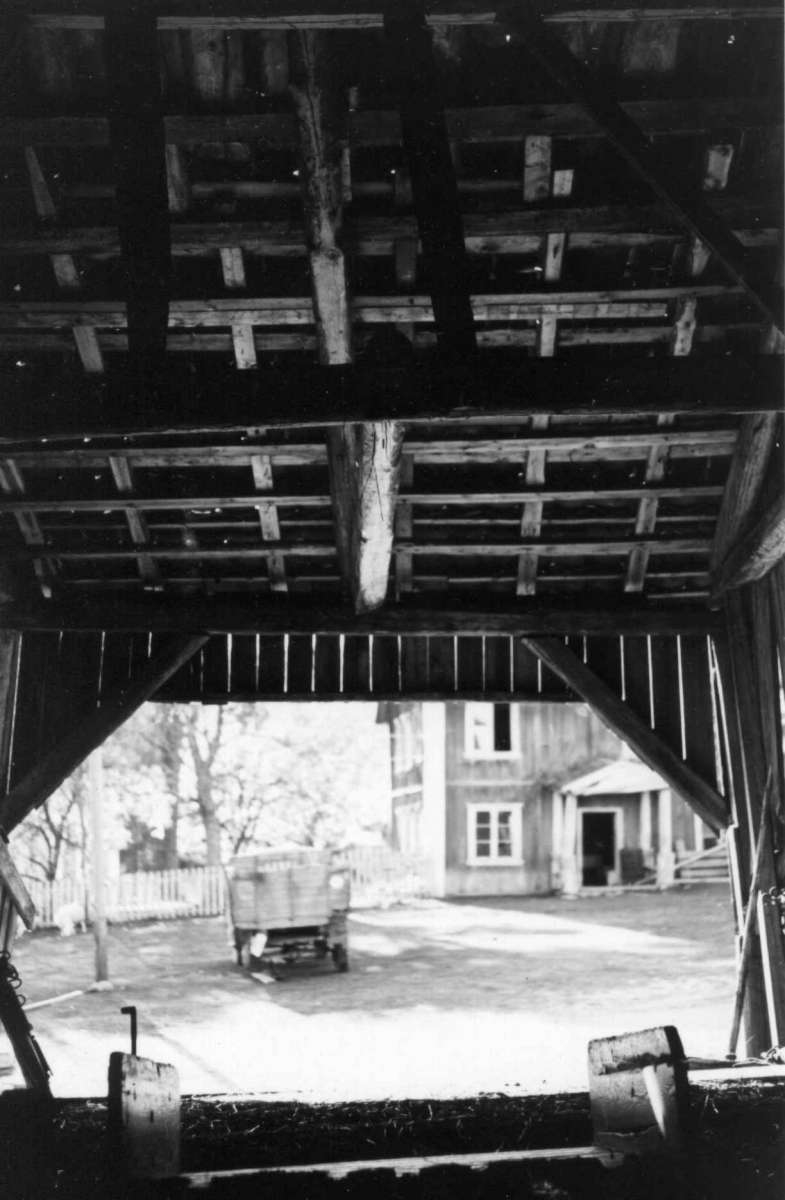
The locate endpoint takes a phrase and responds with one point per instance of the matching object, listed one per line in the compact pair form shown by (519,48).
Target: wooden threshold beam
(283,14)
(503,385)
(138,142)
(647,744)
(438,613)
(638,150)
(91,731)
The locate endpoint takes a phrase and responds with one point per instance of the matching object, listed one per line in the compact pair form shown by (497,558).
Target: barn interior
(354,350)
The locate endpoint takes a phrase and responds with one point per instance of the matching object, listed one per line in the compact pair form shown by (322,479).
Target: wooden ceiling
(311,307)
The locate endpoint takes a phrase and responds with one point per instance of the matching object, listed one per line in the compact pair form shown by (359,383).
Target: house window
(490,731)
(494,834)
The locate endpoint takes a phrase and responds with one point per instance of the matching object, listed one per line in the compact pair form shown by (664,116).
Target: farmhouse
(407,352)
(487,795)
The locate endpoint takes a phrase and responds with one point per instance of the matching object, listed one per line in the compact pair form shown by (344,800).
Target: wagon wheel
(244,955)
(340,958)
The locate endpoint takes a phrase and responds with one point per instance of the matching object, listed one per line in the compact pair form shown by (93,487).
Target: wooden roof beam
(647,744)
(499,385)
(138,143)
(432,614)
(89,732)
(382,127)
(413,71)
(363,458)
(634,146)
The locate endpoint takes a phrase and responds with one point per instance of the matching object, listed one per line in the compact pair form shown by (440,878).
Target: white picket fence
(143,895)
(380,876)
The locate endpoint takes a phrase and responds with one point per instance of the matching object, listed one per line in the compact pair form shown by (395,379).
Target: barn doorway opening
(599,848)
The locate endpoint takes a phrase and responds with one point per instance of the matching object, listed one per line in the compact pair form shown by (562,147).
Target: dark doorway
(598,847)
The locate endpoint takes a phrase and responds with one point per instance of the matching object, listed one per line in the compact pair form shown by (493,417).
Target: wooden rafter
(412,66)
(88,732)
(638,150)
(647,744)
(138,144)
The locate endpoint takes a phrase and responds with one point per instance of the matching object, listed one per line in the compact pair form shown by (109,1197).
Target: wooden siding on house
(552,742)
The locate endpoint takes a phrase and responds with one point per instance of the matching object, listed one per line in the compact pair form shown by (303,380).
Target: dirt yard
(442,999)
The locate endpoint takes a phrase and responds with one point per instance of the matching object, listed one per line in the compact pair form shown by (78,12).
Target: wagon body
(289,904)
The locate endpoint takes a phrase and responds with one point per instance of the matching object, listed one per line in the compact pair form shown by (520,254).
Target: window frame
(495,808)
(470,752)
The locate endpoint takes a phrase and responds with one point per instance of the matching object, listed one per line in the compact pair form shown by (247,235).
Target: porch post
(434,791)
(645,834)
(570,872)
(666,860)
(557,836)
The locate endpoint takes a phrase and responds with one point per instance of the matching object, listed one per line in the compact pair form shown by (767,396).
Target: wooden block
(406,261)
(244,347)
(555,246)
(144,1116)
(639,1092)
(563,181)
(66,272)
(232,267)
(89,349)
(537,169)
(717,167)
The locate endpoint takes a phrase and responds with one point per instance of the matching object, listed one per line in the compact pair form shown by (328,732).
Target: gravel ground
(443,999)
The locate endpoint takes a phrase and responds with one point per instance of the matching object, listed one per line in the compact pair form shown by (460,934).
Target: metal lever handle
(130,1010)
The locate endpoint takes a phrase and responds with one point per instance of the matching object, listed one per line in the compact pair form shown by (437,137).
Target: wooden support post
(642,154)
(364,474)
(414,73)
(754,555)
(98,863)
(748,470)
(89,732)
(363,458)
(232,268)
(10,643)
(138,142)
(261,465)
(648,745)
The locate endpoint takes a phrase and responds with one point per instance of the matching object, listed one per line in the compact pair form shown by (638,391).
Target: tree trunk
(212,837)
